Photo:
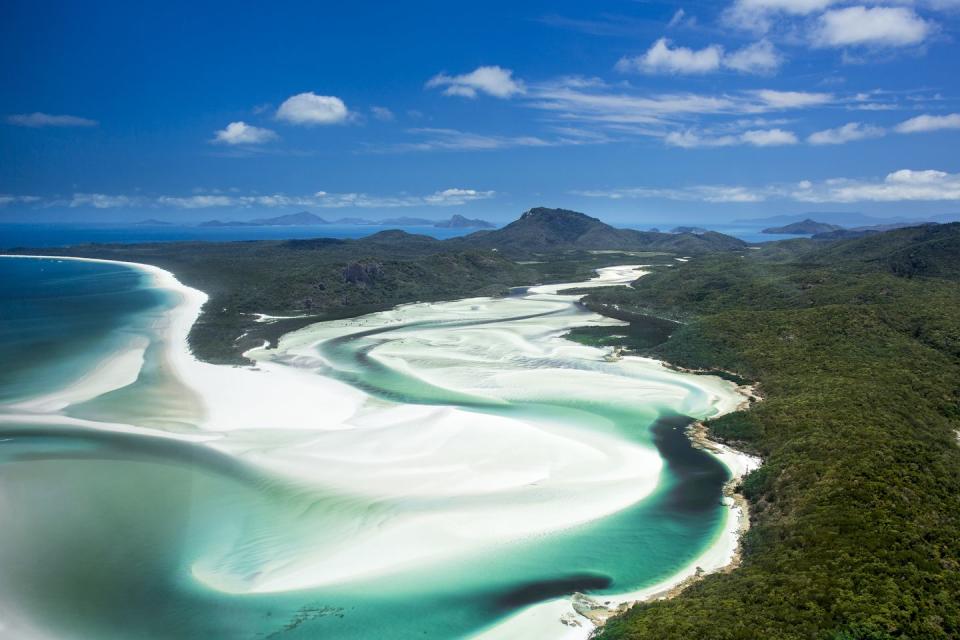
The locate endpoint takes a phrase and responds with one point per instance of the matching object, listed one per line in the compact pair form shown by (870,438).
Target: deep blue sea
(63,234)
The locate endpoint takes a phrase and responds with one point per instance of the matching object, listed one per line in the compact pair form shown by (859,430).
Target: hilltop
(543,230)
(457,221)
(804,227)
(302,219)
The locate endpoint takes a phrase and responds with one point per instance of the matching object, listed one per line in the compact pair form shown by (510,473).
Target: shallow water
(463,464)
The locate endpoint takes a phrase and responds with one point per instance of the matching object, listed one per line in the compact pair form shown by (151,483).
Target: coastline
(587,612)
(738,523)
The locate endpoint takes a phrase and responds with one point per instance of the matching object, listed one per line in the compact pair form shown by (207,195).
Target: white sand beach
(453,481)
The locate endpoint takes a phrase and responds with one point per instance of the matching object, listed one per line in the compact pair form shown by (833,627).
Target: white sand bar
(447,480)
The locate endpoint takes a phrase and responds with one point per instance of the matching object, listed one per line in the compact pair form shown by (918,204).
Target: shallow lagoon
(437,470)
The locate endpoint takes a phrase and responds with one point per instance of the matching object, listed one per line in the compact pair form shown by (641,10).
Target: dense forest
(856,511)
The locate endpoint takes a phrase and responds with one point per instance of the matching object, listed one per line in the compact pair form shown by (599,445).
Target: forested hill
(322,278)
(541,229)
(856,511)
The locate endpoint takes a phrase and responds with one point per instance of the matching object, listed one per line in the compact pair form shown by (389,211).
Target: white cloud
(318,199)
(196,202)
(383,114)
(904,185)
(929,123)
(434,139)
(769,137)
(792,7)
(242,133)
(899,186)
(449,197)
(760,57)
(492,80)
(37,120)
(870,26)
(847,133)
(791,99)
(7,199)
(310,109)
(677,18)
(102,201)
(691,139)
(660,58)
(704,193)
(759,16)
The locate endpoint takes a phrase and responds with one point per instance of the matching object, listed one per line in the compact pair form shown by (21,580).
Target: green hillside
(856,511)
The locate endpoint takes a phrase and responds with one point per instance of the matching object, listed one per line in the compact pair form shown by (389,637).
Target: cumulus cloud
(925,123)
(242,133)
(449,197)
(310,109)
(898,186)
(661,58)
(760,57)
(492,80)
(37,120)
(759,15)
(847,133)
(769,137)
(690,139)
(871,26)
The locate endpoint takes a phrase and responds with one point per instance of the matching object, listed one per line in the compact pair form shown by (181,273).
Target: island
(804,227)
(459,222)
(302,219)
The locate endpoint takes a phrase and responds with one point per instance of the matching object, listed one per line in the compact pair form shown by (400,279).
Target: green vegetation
(325,279)
(856,512)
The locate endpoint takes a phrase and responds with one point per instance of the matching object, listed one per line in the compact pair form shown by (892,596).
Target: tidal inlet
(444,470)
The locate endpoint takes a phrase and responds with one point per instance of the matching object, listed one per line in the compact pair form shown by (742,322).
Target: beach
(441,433)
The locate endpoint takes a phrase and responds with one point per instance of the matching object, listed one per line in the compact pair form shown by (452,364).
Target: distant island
(152,222)
(459,222)
(356,221)
(695,230)
(858,232)
(302,219)
(804,227)
(306,219)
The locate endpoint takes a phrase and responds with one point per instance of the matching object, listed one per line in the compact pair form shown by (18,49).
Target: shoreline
(581,614)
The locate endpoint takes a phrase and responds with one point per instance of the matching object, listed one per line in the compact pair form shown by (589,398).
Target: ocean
(61,234)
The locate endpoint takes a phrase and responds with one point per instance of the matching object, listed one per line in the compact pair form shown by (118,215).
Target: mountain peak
(544,229)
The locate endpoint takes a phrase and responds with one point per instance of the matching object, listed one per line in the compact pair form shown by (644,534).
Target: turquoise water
(103,531)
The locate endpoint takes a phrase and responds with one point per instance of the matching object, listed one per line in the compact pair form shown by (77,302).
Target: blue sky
(634,111)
